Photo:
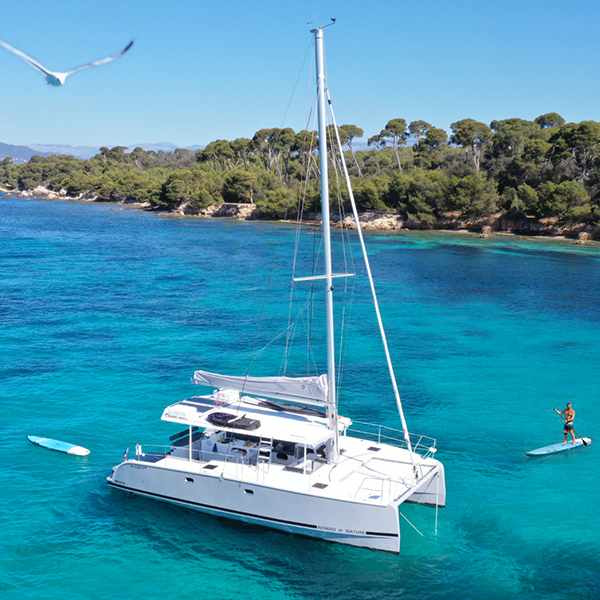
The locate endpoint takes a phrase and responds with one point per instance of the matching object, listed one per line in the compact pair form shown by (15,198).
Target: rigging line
(273,265)
(259,352)
(308,52)
(300,319)
(375,302)
(287,341)
(402,515)
(336,159)
(315,253)
(284,358)
(308,102)
(304,164)
(299,225)
(257,355)
(300,208)
(345,232)
(300,213)
(280,132)
(335,165)
(292,325)
(349,289)
(303,155)
(301,200)
(437,502)
(262,311)
(311,295)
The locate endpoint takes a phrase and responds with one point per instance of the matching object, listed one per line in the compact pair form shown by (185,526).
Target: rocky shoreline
(42,193)
(373,220)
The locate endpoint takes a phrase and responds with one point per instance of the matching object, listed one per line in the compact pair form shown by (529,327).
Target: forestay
(304,390)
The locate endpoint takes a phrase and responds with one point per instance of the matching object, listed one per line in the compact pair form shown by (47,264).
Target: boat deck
(285,447)
(366,472)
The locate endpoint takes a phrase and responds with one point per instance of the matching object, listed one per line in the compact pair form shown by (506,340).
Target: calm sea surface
(105,313)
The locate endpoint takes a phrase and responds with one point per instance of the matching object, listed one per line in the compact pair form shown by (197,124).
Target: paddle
(584,442)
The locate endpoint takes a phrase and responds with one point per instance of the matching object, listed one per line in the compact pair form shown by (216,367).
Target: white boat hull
(346,521)
(431,491)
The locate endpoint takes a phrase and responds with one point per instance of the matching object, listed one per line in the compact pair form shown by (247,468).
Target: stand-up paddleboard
(58,446)
(553,448)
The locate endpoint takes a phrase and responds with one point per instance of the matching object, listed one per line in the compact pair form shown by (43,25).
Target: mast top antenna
(333,20)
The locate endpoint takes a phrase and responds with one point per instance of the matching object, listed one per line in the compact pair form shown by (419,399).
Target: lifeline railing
(381,434)
(153,453)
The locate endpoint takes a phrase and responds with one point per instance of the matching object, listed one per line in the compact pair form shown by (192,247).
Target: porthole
(189,480)
(249,492)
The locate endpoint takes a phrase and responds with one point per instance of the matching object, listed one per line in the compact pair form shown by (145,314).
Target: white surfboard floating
(553,448)
(58,445)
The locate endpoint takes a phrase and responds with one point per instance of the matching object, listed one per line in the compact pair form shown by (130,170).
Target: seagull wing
(30,61)
(102,61)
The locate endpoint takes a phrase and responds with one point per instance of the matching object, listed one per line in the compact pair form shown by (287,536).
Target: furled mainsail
(303,390)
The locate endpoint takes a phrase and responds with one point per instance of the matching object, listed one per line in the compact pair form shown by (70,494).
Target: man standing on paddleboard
(569,417)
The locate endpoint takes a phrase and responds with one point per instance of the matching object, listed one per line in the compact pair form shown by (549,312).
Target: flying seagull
(53,77)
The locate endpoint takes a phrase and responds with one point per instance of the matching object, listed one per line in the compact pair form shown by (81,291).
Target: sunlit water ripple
(105,313)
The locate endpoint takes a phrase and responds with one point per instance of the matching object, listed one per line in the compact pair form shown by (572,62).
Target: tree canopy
(544,168)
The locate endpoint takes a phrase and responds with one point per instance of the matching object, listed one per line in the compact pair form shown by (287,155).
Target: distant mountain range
(18,153)
(24,153)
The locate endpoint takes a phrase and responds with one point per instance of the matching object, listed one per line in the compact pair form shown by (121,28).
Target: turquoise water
(106,312)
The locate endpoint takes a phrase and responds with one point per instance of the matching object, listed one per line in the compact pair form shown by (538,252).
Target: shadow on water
(304,567)
(471,561)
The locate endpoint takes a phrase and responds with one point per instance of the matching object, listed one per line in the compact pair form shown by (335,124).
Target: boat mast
(371,283)
(333,453)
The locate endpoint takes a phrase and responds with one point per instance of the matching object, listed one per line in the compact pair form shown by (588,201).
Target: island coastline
(371,220)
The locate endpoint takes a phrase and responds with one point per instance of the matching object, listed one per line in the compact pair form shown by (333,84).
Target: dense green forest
(542,168)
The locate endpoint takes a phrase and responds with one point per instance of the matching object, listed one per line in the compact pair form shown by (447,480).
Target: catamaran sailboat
(273,451)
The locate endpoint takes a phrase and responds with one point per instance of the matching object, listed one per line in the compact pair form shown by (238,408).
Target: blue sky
(201,70)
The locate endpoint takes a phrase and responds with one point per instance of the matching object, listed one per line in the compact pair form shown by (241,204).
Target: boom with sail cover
(304,390)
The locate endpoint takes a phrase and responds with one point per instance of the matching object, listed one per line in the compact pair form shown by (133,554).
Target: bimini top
(305,390)
(254,417)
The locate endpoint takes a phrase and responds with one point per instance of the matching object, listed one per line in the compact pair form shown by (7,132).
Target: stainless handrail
(388,435)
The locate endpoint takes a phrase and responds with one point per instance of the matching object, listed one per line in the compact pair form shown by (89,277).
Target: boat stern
(431,488)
